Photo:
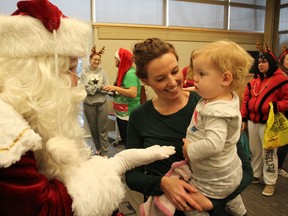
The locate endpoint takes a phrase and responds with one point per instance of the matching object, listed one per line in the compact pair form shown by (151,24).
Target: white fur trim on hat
(117,55)
(25,36)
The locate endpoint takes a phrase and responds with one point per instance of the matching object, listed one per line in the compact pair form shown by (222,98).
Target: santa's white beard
(72,133)
(47,123)
(30,86)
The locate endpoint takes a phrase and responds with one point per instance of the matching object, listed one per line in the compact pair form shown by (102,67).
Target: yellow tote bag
(276,131)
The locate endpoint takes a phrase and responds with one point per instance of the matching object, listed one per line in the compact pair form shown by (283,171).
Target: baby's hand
(184,148)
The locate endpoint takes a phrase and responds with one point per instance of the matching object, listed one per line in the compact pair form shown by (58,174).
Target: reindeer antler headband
(265,50)
(260,47)
(93,51)
(284,52)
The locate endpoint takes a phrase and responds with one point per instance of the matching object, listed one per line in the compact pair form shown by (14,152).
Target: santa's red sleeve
(24,191)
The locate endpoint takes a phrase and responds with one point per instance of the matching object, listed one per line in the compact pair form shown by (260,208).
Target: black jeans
(281,153)
(122,127)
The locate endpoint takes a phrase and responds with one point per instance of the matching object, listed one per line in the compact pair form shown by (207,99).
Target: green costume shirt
(124,105)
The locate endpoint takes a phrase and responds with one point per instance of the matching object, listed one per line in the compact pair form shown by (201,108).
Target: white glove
(130,158)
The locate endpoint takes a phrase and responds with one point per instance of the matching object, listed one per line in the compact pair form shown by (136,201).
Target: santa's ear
(227,78)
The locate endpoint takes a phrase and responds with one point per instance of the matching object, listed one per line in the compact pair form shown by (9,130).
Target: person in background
(283,150)
(164,120)
(219,69)
(127,90)
(270,85)
(188,76)
(94,78)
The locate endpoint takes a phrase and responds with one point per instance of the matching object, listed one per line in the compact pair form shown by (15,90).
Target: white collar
(16,137)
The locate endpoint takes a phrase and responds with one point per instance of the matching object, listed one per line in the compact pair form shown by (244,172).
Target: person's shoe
(268,190)
(255,180)
(283,173)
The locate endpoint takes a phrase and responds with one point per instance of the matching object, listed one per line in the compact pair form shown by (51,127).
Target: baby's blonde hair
(227,56)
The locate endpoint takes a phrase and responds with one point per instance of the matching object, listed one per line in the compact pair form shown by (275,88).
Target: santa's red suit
(45,166)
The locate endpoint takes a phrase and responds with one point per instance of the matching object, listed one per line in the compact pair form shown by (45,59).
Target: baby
(210,146)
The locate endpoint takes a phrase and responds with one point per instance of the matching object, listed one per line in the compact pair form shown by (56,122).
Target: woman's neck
(167,107)
(93,68)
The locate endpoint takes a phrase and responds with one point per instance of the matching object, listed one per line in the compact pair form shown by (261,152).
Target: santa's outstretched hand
(130,158)
(64,153)
(91,183)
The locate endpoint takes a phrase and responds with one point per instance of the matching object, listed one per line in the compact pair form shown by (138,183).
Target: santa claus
(45,166)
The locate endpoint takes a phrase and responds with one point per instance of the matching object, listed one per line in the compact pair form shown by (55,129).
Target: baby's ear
(227,78)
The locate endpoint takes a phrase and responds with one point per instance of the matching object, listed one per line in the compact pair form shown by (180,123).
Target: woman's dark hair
(281,63)
(270,57)
(148,50)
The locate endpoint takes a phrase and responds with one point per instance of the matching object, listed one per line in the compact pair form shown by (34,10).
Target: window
(149,12)
(243,15)
(251,2)
(79,9)
(8,7)
(74,8)
(247,19)
(193,14)
(283,25)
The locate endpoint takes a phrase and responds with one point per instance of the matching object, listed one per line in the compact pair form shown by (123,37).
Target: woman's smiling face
(95,61)
(164,76)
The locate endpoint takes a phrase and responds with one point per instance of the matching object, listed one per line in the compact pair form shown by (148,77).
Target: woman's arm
(282,104)
(129,92)
(136,179)
(130,83)
(246,98)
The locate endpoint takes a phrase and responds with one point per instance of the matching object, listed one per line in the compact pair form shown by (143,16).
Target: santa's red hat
(29,32)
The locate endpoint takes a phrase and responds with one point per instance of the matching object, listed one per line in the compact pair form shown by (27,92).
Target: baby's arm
(184,148)
(197,197)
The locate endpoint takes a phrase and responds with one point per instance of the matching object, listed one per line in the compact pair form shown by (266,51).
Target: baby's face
(208,79)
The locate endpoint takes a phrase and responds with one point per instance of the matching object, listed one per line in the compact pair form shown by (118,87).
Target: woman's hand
(243,126)
(126,92)
(178,192)
(110,88)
